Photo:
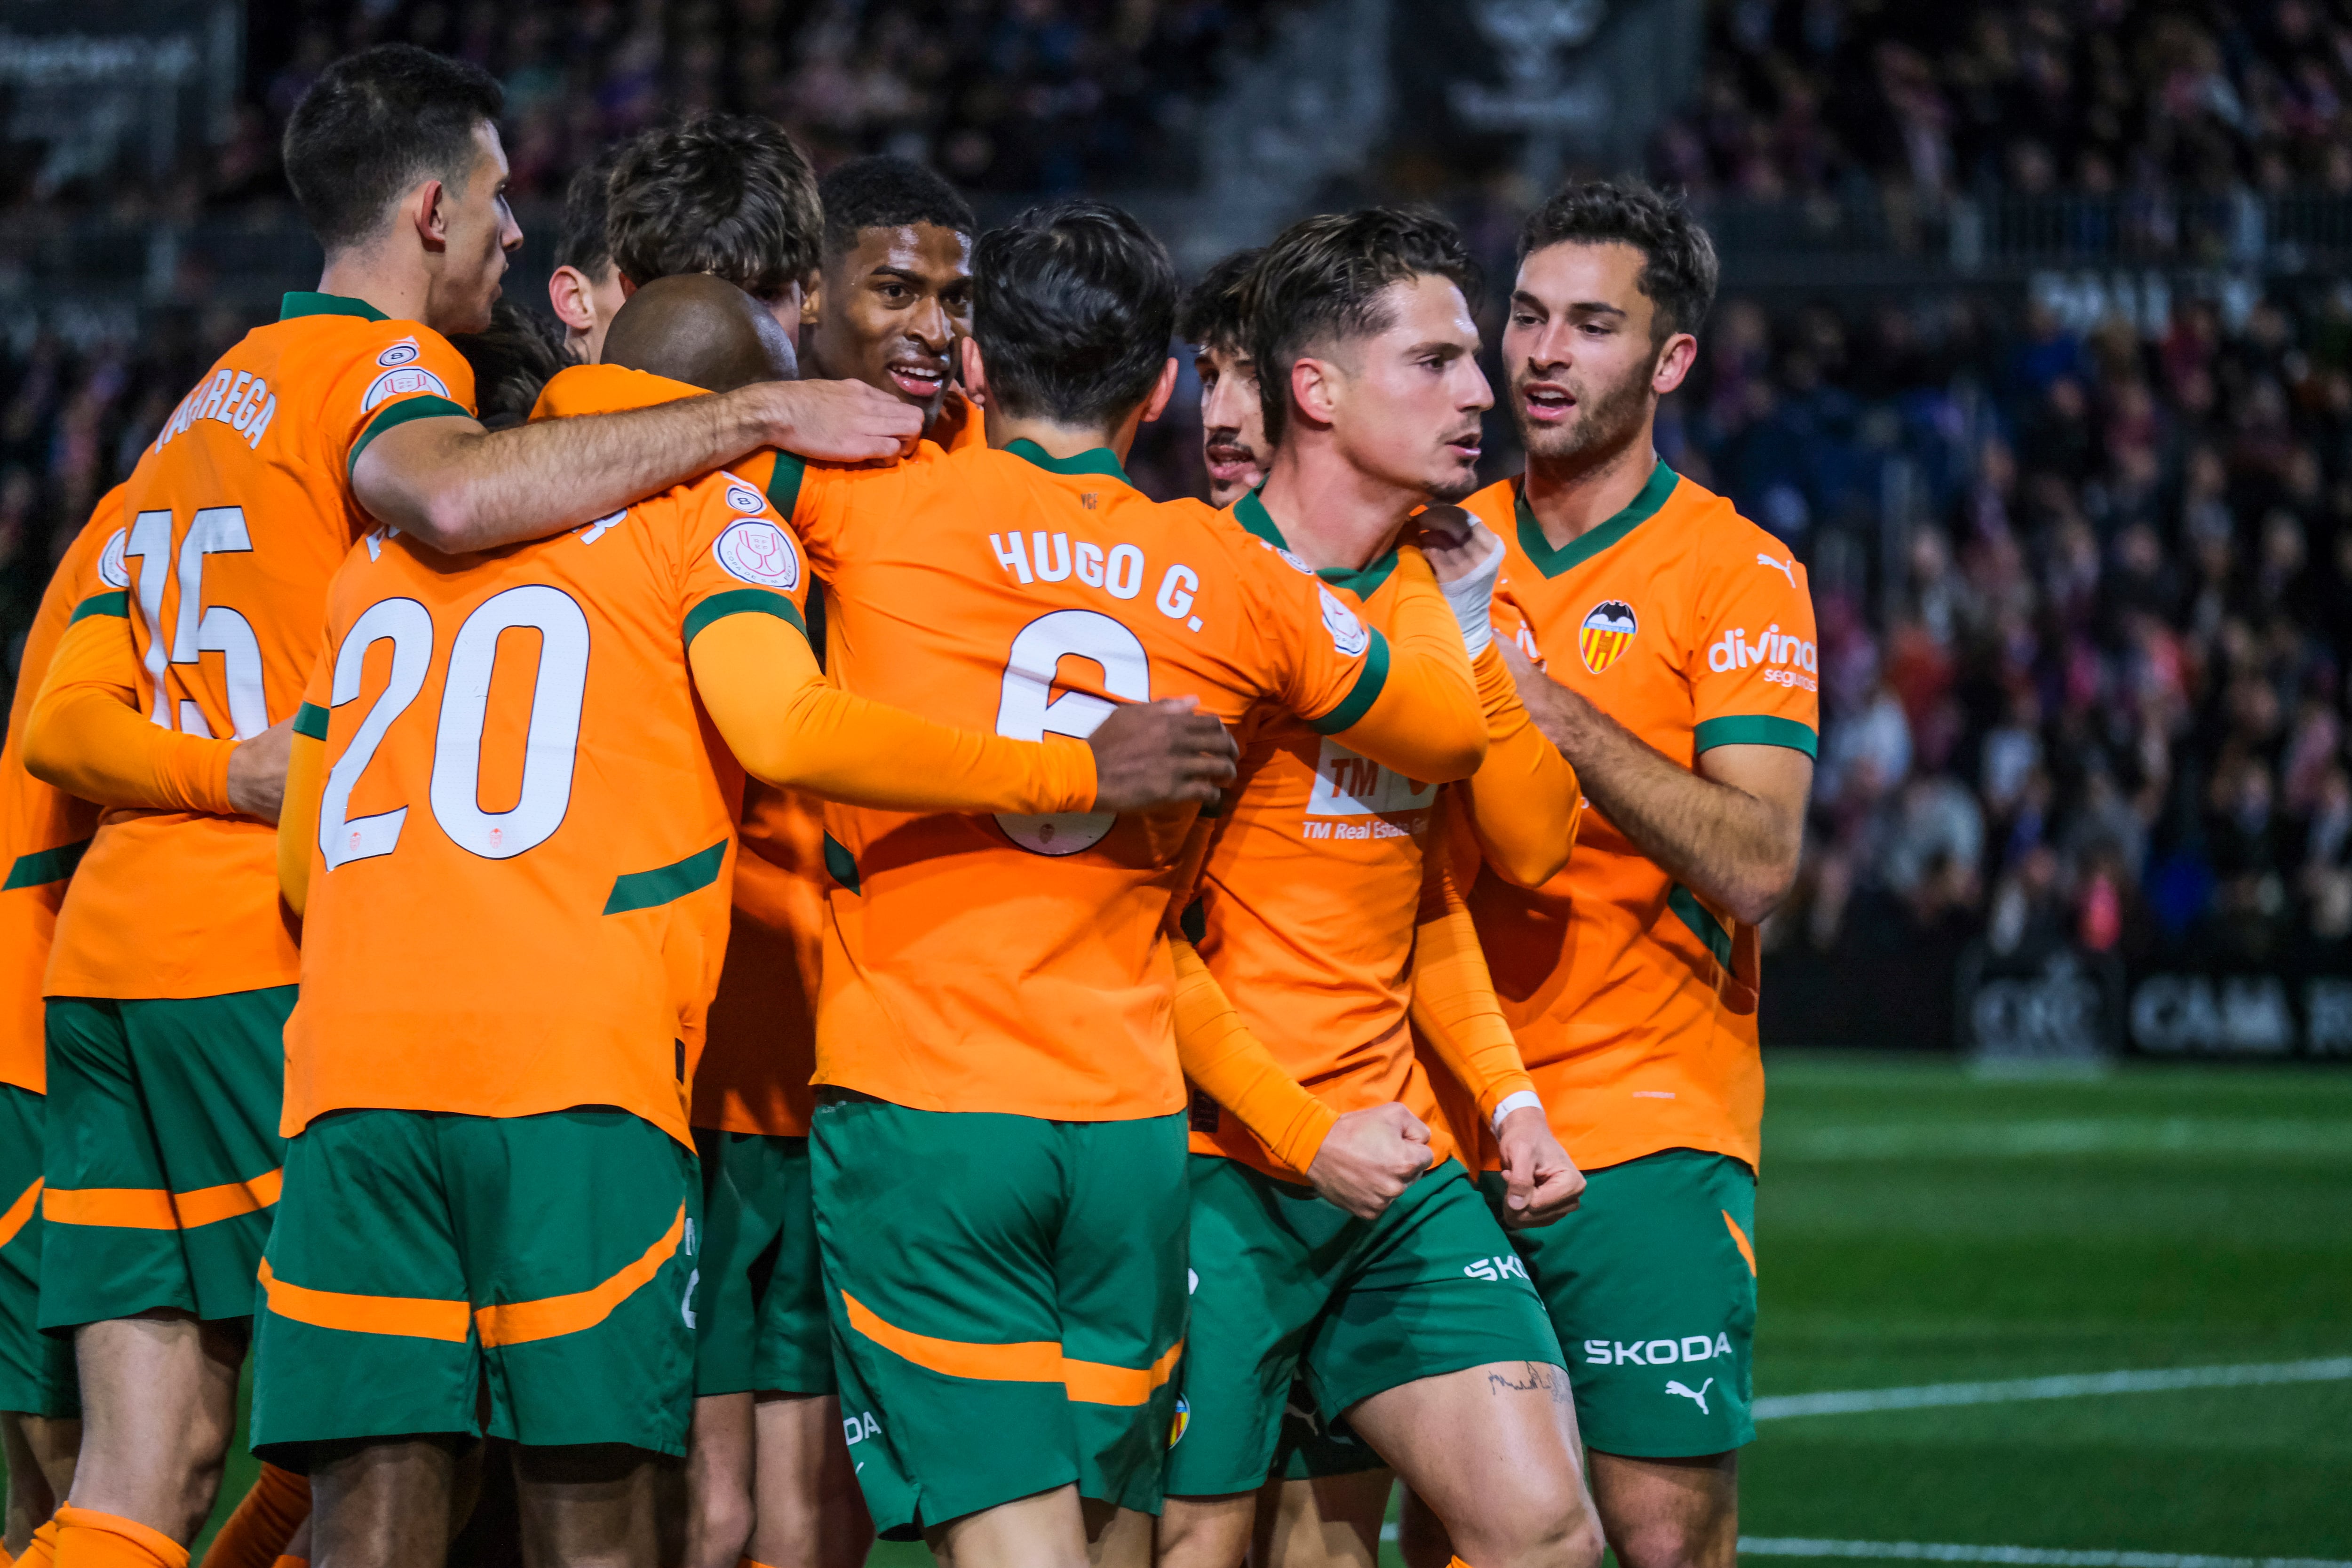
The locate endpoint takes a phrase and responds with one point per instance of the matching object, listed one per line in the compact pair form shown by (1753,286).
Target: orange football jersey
(1309,899)
(234,519)
(1009,963)
(43,832)
(1633,1000)
(518,900)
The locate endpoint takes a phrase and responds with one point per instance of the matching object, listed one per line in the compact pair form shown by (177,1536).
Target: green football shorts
(1286,1283)
(1652,1285)
(162,1158)
(422,1257)
(37,1370)
(1007,1299)
(762,1322)
(1313,1446)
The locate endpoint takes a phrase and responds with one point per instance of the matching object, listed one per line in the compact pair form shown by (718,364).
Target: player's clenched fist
(1457,543)
(256,771)
(1159,753)
(1540,1182)
(1369,1157)
(839,421)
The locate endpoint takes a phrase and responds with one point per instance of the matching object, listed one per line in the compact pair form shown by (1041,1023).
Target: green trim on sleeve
(667,884)
(116,603)
(840,864)
(426,407)
(784,484)
(310,720)
(1703,925)
(739,602)
(1362,695)
(1757,730)
(43,866)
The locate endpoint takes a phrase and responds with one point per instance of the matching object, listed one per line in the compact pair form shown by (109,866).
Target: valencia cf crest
(1608,631)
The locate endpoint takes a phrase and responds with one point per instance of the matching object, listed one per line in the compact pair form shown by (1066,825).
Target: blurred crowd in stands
(2086,609)
(2089,97)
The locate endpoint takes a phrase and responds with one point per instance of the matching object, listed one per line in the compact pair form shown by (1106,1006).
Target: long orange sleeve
(1425,723)
(1524,800)
(760,683)
(1454,1000)
(1221,1057)
(298,816)
(86,736)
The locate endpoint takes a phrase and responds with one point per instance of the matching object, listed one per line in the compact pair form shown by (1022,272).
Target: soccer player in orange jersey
(896,292)
(1388,1296)
(491,1183)
(174,964)
(1233,424)
(43,832)
(1678,673)
(584,288)
(997,1145)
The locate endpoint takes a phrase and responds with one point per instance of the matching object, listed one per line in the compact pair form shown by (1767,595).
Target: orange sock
(265,1519)
(88,1538)
(41,1552)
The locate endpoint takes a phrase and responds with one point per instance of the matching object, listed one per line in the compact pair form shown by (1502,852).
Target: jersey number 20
(549,750)
(1028,710)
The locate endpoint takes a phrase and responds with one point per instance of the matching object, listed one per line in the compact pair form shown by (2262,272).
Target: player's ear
(975,370)
(428,209)
(812,299)
(1675,361)
(570,296)
(1314,389)
(1166,388)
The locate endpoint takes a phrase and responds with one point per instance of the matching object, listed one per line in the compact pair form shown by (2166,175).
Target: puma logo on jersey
(1695,1396)
(1785,568)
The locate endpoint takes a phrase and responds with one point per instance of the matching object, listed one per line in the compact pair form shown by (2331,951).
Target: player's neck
(1061,440)
(402,291)
(1332,514)
(1573,496)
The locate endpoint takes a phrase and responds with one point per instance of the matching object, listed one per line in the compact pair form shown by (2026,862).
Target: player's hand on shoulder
(1159,753)
(256,771)
(1541,1183)
(1458,545)
(838,421)
(1370,1157)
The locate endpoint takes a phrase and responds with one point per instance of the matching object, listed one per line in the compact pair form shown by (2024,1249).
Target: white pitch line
(2015,1556)
(2155,1380)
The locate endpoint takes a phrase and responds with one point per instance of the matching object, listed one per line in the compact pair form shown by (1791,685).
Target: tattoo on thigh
(1537,1376)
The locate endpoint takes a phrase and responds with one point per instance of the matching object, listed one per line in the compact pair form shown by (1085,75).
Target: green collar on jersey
(1592,541)
(1361,581)
(302,302)
(1100,460)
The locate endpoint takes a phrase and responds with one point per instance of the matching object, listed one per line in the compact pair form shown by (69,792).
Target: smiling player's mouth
(918,382)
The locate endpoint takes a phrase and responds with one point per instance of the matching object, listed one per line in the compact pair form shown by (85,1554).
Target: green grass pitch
(1916,1226)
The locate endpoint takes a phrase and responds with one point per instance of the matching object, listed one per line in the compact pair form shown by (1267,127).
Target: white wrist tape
(1510,1102)
(1473,598)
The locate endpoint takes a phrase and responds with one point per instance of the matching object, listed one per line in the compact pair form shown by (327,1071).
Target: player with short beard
(1681,681)
(1233,427)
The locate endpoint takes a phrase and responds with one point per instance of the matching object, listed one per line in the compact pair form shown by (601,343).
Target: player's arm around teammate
(1680,683)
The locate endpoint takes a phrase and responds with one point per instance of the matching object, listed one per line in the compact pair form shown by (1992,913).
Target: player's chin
(1455,482)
